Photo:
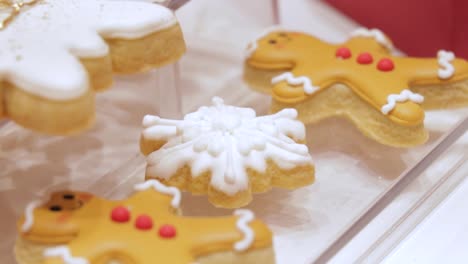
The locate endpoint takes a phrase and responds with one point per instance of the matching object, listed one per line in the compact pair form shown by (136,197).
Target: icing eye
(68,196)
(272,41)
(55,208)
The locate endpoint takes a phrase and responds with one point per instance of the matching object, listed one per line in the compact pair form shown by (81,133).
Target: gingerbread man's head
(281,50)
(55,221)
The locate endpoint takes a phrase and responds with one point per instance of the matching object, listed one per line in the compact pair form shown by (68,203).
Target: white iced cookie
(55,53)
(228,152)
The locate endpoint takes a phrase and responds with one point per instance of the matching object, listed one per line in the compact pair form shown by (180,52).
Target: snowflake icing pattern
(226,140)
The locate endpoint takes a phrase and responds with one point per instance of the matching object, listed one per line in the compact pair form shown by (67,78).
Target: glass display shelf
(355,175)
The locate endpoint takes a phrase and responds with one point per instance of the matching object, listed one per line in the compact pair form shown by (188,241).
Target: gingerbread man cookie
(227,152)
(79,228)
(54,55)
(382,94)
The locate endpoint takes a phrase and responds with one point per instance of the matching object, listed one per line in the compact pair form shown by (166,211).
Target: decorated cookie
(80,228)
(382,94)
(227,152)
(54,55)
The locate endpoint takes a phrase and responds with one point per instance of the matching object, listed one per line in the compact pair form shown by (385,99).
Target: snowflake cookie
(80,228)
(227,152)
(382,94)
(54,55)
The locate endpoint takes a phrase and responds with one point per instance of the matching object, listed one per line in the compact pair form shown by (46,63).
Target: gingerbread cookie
(79,228)
(382,94)
(227,152)
(54,55)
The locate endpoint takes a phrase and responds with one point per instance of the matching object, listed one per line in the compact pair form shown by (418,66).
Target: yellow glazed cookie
(54,55)
(227,152)
(382,94)
(79,228)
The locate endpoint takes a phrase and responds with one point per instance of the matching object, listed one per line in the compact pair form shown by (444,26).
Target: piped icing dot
(120,214)
(144,222)
(167,231)
(365,58)
(385,65)
(343,53)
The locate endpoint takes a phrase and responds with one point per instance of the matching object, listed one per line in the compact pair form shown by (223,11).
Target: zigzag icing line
(159,187)
(246,216)
(378,35)
(447,69)
(29,215)
(64,253)
(301,80)
(404,96)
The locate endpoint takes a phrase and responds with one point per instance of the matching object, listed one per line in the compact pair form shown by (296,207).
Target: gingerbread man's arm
(299,83)
(238,233)
(74,253)
(370,39)
(92,248)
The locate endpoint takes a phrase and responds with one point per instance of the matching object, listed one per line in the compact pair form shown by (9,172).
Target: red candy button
(167,231)
(365,58)
(385,65)
(144,222)
(120,214)
(343,53)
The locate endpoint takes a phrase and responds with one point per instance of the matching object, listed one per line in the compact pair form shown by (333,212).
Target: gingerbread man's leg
(442,81)
(240,234)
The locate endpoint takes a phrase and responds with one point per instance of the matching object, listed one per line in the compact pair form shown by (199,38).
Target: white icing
(39,49)
(378,35)
(159,187)
(404,96)
(246,216)
(305,81)
(64,253)
(446,69)
(252,46)
(226,140)
(29,215)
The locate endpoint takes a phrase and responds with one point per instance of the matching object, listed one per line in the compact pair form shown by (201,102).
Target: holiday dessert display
(227,152)
(80,228)
(382,94)
(54,55)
